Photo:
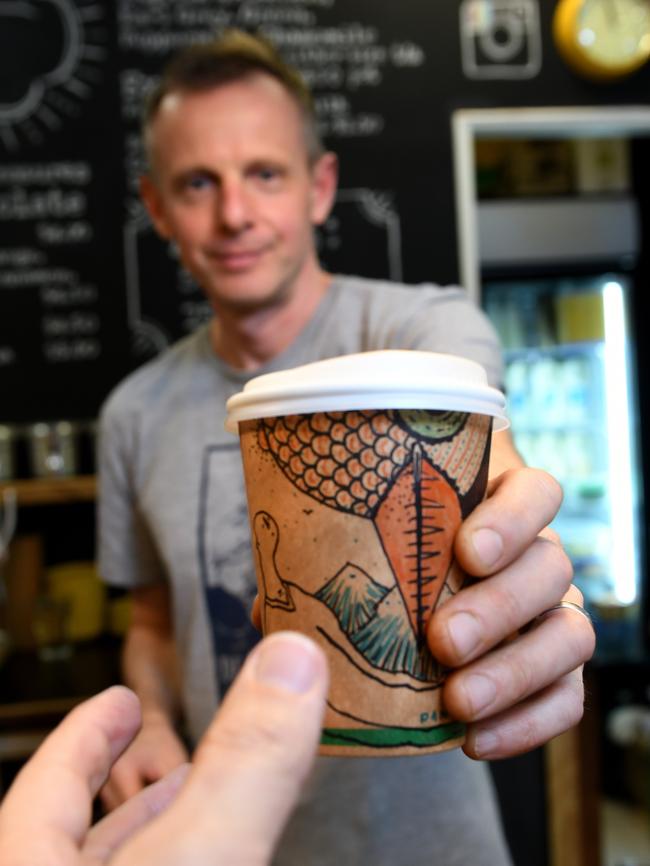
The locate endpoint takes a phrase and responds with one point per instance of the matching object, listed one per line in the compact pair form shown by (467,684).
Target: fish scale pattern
(347,460)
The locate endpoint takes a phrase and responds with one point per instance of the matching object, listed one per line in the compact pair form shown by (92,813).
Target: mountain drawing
(388,642)
(352,596)
(376,622)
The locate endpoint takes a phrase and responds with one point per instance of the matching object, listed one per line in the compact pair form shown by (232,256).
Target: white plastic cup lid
(388,379)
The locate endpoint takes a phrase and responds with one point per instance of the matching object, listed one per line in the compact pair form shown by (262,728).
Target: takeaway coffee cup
(359,471)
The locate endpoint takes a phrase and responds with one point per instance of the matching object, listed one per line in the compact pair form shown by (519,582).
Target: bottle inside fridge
(571,394)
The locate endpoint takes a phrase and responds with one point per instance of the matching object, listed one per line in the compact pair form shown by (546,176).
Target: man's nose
(234,208)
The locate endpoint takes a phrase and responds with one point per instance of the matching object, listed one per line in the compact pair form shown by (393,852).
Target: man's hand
(517,692)
(232,804)
(154,753)
(150,668)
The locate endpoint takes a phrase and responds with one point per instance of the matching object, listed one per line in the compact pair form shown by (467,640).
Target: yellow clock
(603,39)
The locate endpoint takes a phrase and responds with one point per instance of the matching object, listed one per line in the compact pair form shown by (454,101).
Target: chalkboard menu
(88,291)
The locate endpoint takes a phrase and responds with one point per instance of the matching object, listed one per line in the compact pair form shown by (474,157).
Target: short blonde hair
(234,56)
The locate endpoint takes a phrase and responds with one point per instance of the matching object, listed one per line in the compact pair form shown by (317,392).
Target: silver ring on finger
(567,605)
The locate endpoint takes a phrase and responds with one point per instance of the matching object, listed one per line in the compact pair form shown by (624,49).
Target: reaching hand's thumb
(251,764)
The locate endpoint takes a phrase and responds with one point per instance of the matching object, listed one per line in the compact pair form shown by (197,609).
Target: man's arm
(515,692)
(149,656)
(150,668)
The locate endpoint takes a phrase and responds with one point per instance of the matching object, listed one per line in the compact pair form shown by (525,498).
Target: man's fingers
(249,768)
(486,613)
(155,752)
(521,668)
(256,613)
(529,724)
(49,806)
(112,831)
(519,505)
(123,783)
(110,797)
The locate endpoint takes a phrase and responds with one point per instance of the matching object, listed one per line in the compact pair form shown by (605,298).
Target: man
(230,807)
(238,180)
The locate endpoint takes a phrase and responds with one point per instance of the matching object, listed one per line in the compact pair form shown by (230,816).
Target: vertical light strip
(617,404)
(466,204)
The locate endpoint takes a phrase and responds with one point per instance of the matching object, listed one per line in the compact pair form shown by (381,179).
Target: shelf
(37,694)
(18,712)
(52,491)
(34,689)
(556,351)
(555,230)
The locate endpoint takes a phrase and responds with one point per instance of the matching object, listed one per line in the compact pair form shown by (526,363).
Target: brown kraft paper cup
(353,516)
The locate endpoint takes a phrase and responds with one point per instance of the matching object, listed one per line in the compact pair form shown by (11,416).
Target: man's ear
(152,199)
(325,175)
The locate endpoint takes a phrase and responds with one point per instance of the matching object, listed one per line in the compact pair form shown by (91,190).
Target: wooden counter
(52,491)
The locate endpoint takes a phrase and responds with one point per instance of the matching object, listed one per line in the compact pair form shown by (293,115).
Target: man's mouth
(236,259)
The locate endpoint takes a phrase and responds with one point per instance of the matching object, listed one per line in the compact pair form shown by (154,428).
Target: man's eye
(197,182)
(267,173)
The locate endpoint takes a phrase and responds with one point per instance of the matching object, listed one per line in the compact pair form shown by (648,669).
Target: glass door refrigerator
(571,386)
(557,214)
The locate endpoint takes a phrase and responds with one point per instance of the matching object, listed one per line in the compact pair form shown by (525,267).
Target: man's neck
(248,340)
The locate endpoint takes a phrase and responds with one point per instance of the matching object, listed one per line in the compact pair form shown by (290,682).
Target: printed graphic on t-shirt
(227,569)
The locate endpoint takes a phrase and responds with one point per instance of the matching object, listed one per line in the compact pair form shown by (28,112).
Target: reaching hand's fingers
(520,503)
(48,809)
(486,613)
(104,838)
(250,766)
(522,667)
(529,724)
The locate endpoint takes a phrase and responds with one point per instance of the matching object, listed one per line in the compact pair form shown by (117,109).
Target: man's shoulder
(158,378)
(373,301)
(375,314)
(373,290)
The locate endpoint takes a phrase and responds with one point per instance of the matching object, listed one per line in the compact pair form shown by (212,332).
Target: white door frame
(563,122)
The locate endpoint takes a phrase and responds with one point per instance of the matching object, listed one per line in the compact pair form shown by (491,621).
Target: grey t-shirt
(173,507)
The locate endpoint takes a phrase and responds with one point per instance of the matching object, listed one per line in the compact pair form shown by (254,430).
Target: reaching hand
(229,806)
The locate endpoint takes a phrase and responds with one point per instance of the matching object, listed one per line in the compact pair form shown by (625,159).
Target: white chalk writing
(65,351)
(68,296)
(18,204)
(21,257)
(76,232)
(72,324)
(7,356)
(35,277)
(73,173)
(349,57)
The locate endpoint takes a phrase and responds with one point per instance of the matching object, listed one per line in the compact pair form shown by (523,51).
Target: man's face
(232,187)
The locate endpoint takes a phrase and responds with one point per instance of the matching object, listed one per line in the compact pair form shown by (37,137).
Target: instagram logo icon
(500,39)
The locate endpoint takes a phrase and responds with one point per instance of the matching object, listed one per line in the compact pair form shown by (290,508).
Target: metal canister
(53,449)
(7,462)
